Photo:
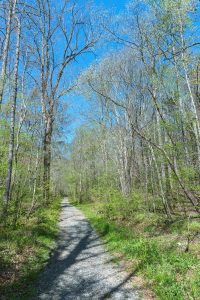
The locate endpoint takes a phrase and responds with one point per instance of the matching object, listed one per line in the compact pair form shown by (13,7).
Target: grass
(153,252)
(25,249)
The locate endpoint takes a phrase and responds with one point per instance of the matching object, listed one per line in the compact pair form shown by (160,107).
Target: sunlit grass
(173,273)
(24,251)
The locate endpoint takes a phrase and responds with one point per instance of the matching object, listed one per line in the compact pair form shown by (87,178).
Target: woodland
(132,164)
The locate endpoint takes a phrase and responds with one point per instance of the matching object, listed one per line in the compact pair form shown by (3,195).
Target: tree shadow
(73,269)
(116,288)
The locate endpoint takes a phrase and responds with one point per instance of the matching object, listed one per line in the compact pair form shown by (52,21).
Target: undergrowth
(24,249)
(159,253)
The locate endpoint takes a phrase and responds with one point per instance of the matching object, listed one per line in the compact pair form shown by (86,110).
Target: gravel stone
(80,267)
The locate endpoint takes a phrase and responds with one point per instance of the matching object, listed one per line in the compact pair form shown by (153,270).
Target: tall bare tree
(76,37)
(13,112)
(11,11)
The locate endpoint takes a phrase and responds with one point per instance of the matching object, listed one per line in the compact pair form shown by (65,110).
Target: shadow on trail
(118,286)
(67,275)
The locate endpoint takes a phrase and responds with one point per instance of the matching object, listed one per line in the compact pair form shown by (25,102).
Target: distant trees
(39,40)
(148,106)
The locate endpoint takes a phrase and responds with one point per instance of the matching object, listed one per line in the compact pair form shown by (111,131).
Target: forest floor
(149,260)
(156,252)
(24,250)
(81,268)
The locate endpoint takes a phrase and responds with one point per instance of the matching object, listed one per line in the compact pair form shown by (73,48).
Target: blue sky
(77,104)
(116,4)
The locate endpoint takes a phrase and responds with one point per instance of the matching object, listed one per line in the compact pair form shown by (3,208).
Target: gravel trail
(80,267)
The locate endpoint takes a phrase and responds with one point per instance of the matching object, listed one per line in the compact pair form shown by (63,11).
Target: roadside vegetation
(25,249)
(162,256)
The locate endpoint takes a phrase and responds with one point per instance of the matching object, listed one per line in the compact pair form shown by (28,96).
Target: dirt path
(80,268)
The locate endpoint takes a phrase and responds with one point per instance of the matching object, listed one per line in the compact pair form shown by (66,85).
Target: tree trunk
(12,121)
(34,184)
(47,158)
(12,6)
(164,201)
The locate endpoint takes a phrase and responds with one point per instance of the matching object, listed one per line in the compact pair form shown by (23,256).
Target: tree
(11,11)
(146,90)
(13,114)
(76,37)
